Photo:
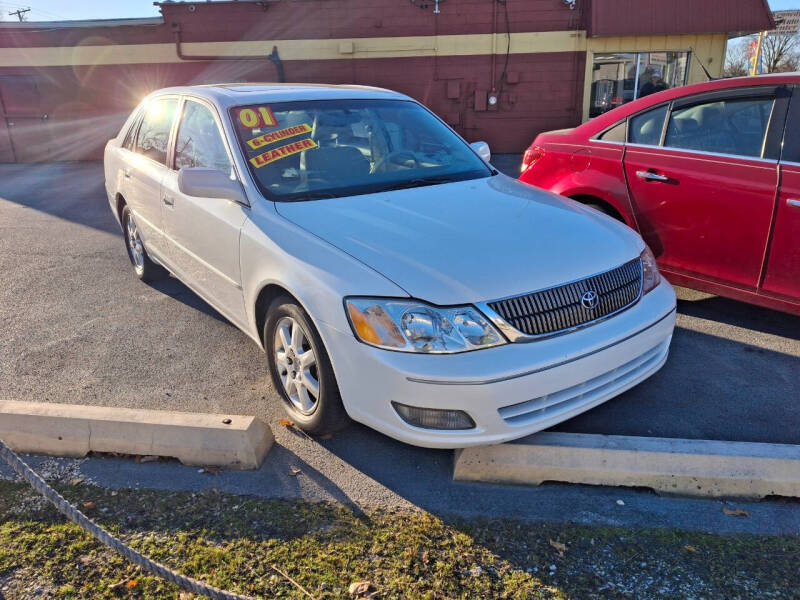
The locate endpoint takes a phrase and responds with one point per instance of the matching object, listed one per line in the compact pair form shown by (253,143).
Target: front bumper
(509,391)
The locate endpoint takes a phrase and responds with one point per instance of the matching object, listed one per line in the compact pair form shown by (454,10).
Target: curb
(670,466)
(232,441)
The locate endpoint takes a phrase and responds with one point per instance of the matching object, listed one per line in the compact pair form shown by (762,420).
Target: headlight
(412,326)
(650,275)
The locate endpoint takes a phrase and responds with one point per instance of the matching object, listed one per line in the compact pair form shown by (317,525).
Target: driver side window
(153,136)
(199,142)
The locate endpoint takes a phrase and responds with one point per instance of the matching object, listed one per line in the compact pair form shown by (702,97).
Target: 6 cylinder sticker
(271,156)
(276,136)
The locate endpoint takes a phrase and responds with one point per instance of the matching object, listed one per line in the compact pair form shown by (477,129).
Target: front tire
(145,269)
(301,370)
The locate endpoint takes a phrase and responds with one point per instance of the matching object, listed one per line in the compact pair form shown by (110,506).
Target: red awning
(657,17)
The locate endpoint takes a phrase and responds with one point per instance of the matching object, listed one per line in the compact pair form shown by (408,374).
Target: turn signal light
(531,155)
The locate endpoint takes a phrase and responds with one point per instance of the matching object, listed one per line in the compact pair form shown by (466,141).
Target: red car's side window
(618,133)
(646,127)
(791,141)
(725,126)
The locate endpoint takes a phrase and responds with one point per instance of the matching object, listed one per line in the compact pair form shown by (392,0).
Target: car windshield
(329,148)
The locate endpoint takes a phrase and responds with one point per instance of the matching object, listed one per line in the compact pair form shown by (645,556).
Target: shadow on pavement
(743,315)
(69,191)
(176,289)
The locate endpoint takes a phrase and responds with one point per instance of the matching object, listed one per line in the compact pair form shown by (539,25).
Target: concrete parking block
(667,465)
(232,441)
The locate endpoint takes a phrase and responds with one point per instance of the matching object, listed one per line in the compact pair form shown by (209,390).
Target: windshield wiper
(420,182)
(312,196)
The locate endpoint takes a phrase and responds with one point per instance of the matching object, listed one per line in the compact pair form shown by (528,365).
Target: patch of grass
(231,541)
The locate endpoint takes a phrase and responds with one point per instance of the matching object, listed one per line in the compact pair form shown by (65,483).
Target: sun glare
(156,109)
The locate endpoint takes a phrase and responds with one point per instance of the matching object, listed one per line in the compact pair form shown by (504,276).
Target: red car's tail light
(531,155)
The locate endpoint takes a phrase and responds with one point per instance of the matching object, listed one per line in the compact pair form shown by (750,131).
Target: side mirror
(482,149)
(210,183)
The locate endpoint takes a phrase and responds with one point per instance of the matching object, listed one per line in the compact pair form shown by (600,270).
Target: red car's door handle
(650,176)
(793,202)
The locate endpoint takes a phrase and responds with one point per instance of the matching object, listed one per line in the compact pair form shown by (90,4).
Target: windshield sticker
(255,118)
(276,136)
(271,156)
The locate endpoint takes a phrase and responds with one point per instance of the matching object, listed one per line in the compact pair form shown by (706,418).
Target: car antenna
(702,66)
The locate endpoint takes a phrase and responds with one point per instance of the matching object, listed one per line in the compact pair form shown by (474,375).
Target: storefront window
(621,77)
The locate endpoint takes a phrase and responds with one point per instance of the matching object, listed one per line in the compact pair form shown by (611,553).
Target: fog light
(434,418)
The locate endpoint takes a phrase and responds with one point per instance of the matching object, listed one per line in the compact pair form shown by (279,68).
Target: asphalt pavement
(78,327)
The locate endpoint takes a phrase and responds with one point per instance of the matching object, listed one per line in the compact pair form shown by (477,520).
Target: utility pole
(755,65)
(20,13)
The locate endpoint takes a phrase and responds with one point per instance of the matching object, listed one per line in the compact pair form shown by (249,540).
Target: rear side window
(615,134)
(646,127)
(736,126)
(130,137)
(153,136)
(199,141)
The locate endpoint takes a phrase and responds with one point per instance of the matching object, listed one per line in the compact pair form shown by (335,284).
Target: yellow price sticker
(276,136)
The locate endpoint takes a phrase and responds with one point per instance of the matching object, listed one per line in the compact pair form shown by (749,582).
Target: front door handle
(169,200)
(650,176)
(793,202)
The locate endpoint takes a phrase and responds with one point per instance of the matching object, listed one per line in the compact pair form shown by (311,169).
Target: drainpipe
(8,127)
(274,57)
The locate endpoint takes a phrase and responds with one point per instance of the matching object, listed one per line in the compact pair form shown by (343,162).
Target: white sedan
(389,272)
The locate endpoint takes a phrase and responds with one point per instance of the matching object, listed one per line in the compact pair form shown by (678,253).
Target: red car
(709,174)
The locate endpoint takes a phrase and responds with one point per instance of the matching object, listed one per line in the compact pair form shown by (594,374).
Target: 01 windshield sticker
(277,136)
(271,156)
(257,117)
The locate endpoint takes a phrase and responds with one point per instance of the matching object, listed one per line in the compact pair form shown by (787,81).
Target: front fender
(275,251)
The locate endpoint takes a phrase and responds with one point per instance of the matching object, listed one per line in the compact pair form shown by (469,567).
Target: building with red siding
(497,70)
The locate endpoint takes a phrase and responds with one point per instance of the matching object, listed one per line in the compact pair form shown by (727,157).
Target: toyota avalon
(390,273)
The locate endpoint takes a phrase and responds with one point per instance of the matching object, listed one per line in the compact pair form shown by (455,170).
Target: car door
(782,275)
(118,160)
(144,172)
(202,234)
(703,187)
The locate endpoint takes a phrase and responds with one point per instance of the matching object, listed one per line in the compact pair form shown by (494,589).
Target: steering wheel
(393,157)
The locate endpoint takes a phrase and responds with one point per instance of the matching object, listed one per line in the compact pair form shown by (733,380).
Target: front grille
(559,308)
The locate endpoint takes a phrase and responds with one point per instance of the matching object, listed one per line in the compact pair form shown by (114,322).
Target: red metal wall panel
(94,100)
(69,112)
(311,19)
(76,113)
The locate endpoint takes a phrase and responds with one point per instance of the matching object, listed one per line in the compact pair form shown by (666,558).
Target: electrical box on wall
(481,100)
(453,90)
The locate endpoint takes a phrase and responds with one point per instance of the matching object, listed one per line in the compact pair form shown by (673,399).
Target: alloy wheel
(135,247)
(297,365)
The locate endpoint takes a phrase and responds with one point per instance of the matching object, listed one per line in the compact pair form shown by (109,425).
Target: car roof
(609,118)
(234,94)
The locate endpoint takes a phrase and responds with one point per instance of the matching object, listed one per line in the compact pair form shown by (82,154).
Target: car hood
(470,241)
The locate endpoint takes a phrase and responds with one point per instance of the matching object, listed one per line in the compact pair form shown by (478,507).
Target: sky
(54,10)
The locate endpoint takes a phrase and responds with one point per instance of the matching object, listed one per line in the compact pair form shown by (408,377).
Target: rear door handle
(169,200)
(126,173)
(793,202)
(650,176)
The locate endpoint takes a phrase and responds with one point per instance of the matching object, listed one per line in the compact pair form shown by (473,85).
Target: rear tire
(301,370)
(145,269)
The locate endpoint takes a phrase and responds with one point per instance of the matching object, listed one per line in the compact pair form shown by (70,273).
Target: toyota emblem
(590,300)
